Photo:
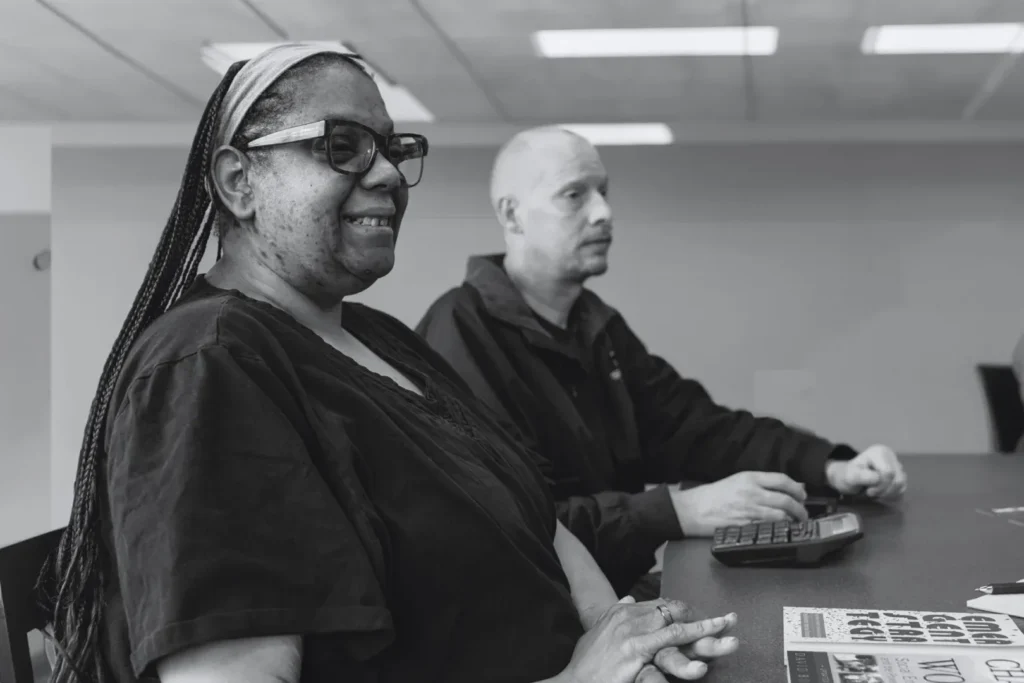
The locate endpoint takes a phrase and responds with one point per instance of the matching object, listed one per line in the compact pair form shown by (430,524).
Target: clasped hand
(876,472)
(635,643)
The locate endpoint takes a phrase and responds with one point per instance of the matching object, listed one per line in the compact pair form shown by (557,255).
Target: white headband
(258,74)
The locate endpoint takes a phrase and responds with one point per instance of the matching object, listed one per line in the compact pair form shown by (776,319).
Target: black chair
(1005,409)
(19,610)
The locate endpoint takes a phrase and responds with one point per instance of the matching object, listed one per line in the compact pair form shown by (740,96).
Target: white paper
(1012,605)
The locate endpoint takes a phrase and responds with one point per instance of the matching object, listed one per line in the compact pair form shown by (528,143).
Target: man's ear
(506,210)
(231,182)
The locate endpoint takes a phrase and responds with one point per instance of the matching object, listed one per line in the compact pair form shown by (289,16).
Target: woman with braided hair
(278,485)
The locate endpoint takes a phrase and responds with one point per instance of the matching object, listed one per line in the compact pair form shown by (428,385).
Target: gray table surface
(926,552)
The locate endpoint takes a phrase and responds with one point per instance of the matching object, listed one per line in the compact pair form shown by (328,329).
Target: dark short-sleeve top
(257,482)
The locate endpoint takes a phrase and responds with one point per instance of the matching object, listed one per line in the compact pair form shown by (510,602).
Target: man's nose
(600,210)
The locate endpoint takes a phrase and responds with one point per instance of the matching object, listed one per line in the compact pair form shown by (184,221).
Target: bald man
(602,414)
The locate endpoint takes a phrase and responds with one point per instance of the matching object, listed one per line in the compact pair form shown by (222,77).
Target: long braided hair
(73,579)
(72,582)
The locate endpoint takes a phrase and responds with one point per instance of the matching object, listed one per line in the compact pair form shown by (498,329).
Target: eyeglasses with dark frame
(351,147)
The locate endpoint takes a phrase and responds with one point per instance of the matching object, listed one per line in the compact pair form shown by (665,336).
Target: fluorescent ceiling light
(932,39)
(658,42)
(402,105)
(622,133)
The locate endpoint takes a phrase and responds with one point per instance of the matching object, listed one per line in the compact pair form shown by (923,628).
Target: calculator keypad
(765,533)
(784,544)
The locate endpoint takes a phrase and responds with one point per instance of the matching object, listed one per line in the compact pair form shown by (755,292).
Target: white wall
(109,207)
(24,333)
(25,169)
(849,288)
(24,378)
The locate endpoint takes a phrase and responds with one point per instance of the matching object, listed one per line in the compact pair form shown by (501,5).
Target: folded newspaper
(831,645)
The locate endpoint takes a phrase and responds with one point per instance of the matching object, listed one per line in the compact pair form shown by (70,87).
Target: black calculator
(785,544)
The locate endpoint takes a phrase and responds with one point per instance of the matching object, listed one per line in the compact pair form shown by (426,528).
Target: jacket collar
(501,300)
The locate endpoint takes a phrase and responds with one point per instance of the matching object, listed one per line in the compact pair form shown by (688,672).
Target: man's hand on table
(875,471)
(739,499)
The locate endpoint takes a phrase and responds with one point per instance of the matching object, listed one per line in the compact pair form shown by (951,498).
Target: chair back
(20,613)
(1005,409)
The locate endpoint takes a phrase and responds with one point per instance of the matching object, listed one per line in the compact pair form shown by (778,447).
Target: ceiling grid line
(113,51)
(461,58)
(265,18)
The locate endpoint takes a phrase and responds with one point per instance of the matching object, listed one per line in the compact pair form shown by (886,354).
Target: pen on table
(1003,589)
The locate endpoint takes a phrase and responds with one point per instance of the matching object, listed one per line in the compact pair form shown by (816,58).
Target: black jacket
(660,427)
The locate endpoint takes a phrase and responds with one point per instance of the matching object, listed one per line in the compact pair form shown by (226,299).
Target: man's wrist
(682,503)
(834,470)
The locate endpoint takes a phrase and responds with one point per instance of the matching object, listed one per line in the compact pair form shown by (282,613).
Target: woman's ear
(230,171)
